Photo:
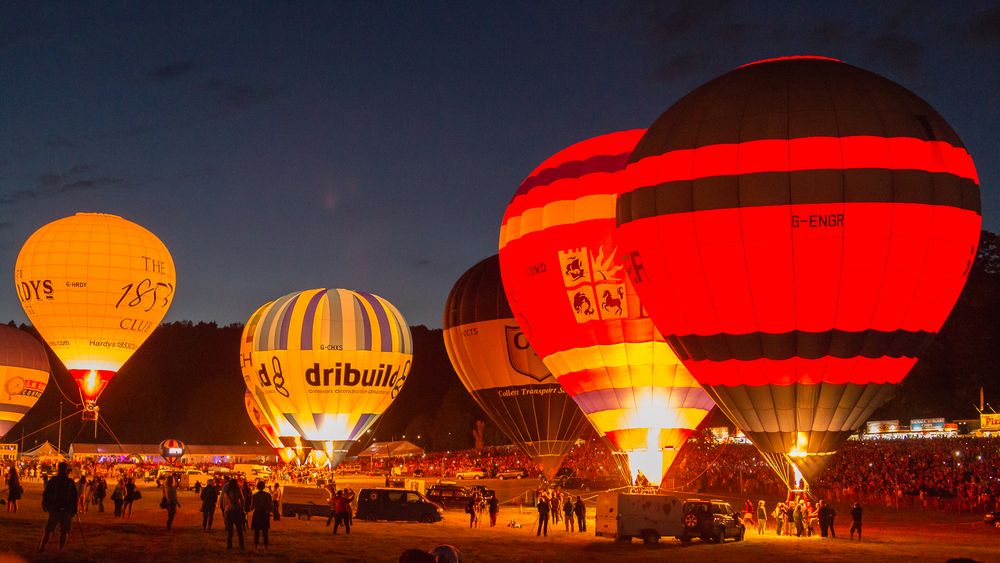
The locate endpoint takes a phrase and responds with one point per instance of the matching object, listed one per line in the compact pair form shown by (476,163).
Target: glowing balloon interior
(95,286)
(571,297)
(24,374)
(330,361)
(799,230)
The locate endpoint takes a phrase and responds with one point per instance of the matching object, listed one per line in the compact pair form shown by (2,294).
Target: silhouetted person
(543,516)
(856,520)
(209,496)
(14,489)
(276,497)
(118,497)
(234,511)
(823,515)
(59,499)
(170,500)
(262,505)
(581,514)
(100,491)
(342,513)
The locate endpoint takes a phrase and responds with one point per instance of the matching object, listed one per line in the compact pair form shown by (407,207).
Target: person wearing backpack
(59,499)
(234,511)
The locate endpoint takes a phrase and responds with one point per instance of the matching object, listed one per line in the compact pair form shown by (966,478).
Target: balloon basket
(91,412)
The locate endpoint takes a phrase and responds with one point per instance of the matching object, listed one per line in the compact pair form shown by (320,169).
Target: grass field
(889,536)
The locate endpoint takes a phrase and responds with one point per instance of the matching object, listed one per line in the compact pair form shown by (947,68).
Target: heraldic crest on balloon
(328,362)
(95,286)
(595,284)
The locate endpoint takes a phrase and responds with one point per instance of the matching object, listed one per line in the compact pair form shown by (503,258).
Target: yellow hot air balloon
(330,361)
(24,374)
(95,286)
(266,429)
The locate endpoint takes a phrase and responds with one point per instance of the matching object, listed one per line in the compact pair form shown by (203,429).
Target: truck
(649,517)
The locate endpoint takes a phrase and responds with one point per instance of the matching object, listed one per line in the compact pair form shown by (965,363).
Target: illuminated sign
(989,421)
(882,426)
(8,452)
(927,425)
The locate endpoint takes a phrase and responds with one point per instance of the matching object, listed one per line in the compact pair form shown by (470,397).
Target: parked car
(477,473)
(449,496)
(309,501)
(711,520)
(992,519)
(397,505)
(512,474)
(576,483)
(563,474)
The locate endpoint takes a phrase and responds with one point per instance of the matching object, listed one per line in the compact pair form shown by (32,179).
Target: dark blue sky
(276,147)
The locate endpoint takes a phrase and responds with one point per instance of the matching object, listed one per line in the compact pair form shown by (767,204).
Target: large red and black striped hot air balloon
(799,229)
(579,311)
(503,373)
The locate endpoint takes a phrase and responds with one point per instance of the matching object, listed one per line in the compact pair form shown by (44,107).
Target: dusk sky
(276,147)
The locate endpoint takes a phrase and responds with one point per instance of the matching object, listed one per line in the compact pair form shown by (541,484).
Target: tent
(392,449)
(45,452)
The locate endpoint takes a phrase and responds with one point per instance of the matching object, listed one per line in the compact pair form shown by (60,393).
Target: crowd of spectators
(960,473)
(954,473)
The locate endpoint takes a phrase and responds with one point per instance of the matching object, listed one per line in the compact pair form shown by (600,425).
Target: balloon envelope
(95,286)
(275,429)
(172,450)
(572,299)
(330,361)
(499,368)
(799,229)
(24,374)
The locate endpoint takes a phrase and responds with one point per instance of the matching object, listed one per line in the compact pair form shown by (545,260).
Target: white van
(253,470)
(647,517)
(190,476)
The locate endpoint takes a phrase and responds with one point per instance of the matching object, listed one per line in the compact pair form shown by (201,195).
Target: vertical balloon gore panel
(279,426)
(95,286)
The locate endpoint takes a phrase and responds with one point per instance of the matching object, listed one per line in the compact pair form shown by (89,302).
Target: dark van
(397,505)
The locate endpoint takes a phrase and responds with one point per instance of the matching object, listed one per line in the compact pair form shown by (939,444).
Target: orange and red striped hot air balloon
(799,229)
(573,301)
